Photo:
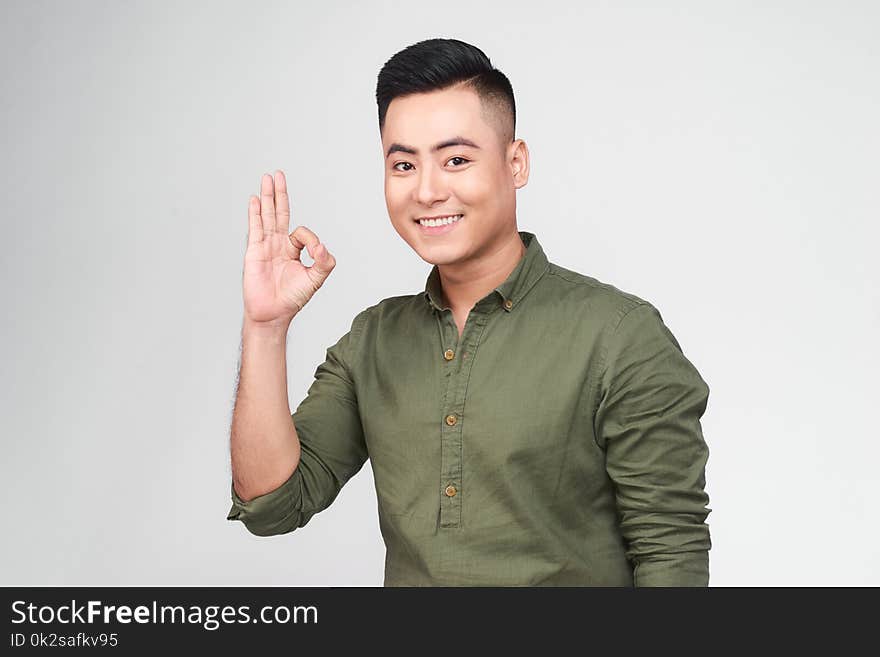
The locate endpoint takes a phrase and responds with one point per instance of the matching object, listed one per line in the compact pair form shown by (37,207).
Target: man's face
(477,181)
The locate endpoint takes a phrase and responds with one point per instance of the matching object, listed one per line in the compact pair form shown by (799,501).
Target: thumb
(323,264)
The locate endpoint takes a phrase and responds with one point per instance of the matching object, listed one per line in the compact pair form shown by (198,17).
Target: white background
(718,159)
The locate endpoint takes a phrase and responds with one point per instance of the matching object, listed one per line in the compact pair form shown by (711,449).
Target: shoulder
(605,303)
(387,309)
(391,305)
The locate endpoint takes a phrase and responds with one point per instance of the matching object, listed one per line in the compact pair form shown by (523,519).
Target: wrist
(272,330)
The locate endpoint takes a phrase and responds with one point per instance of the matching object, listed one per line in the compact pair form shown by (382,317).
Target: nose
(430,186)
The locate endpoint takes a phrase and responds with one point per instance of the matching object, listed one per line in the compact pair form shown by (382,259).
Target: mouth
(439,225)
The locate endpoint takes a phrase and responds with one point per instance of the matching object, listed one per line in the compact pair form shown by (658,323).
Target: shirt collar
(528,270)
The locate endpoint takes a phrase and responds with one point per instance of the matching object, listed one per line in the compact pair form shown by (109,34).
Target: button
(449,354)
(451,420)
(508,304)
(450,491)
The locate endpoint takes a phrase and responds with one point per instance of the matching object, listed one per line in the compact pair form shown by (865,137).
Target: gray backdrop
(716,158)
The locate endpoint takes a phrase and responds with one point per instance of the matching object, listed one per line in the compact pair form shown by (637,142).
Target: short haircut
(436,64)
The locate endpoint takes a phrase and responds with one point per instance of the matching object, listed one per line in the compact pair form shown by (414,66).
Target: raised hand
(276,283)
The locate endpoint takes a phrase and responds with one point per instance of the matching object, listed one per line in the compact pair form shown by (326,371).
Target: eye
(457,157)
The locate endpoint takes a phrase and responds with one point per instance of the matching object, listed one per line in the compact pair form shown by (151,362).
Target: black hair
(436,64)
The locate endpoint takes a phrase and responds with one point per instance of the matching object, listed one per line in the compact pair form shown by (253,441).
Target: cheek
(389,188)
(394,196)
(477,189)
(471,188)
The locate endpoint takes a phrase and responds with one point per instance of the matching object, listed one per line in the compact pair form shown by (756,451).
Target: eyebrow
(454,141)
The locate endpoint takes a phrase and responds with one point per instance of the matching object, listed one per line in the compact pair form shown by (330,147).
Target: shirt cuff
(690,570)
(277,512)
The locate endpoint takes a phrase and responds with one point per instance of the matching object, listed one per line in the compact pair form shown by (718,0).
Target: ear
(518,157)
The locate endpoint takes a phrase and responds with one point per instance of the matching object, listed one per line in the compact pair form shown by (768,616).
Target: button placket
(452,418)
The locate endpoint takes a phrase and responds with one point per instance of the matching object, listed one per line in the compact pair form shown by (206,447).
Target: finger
(255,223)
(302,237)
(267,203)
(323,265)
(282,203)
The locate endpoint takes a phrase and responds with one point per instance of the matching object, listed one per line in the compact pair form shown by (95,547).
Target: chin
(440,254)
(431,249)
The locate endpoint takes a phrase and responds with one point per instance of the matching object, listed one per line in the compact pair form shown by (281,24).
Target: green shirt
(556,443)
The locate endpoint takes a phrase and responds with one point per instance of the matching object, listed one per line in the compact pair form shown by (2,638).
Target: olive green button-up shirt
(557,442)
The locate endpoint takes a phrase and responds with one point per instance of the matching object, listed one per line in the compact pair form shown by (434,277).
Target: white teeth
(440,222)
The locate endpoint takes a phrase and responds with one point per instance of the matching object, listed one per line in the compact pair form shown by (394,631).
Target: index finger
(300,238)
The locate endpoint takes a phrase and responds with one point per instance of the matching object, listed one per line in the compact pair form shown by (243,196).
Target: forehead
(427,117)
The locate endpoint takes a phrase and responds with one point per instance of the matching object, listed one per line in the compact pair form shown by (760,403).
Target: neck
(466,283)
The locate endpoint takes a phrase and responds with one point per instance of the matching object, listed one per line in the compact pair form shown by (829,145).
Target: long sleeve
(648,421)
(333,448)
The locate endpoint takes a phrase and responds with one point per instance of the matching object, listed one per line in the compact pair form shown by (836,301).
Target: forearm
(264,447)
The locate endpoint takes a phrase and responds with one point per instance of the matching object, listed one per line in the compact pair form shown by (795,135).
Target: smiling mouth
(443,221)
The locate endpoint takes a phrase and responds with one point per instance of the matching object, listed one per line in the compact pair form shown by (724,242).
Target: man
(526,424)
